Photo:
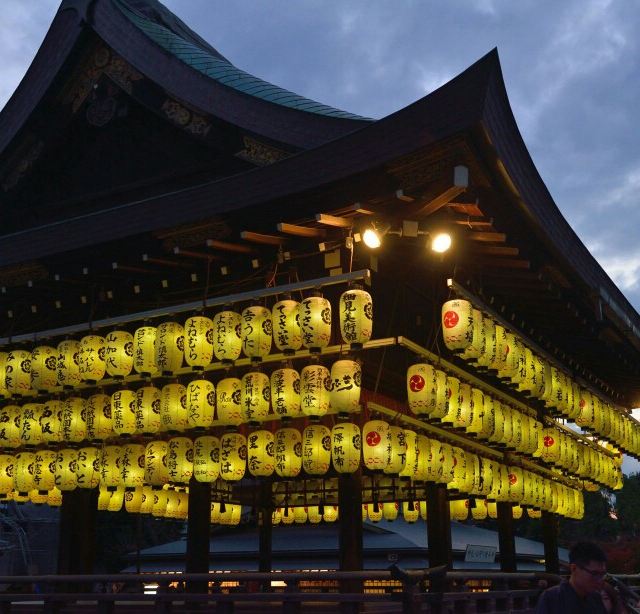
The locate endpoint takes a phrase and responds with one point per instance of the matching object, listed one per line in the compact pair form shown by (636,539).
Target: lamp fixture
(439,242)
(371,238)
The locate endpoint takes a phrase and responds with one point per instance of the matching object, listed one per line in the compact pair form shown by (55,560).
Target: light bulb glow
(371,238)
(441,242)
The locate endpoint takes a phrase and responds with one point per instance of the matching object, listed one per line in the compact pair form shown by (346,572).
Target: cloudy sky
(572,71)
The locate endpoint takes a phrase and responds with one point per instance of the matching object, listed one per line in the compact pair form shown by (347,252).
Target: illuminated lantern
(214,514)
(452,387)
(488,343)
(457,325)
(586,416)
(499,354)
(160,503)
(180,460)
(507,426)
(116,500)
(315,390)
(24,472)
(103,499)
(516,484)
(412,453)
(201,404)
(516,512)
(66,467)
(427,391)
(374,512)
(69,363)
(315,322)
(479,509)
(313,514)
(110,474)
(459,474)
(488,418)
(478,339)
(44,368)
(255,396)
(514,348)
(4,393)
(7,470)
(148,410)
(206,458)
(44,475)
(147,500)
(375,435)
(88,461)
(227,336)
(285,392)
(345,447)
(477,411)
(396,450)
(173,408)
(464,415)
(228,401)
(459,509)
(231,515)
(288,452)
(300,514)
(118,353)
(169,348)
(30,429)
(198,342)
(445,460)
(346,381)
(550,450)
(497,435)
(356,316)
(133,500)
(50,422)
(123,412)
(276,517)
(92,358)
(331,513)
(98,417)
(485,480)
(155,459)
(316,449)
(286,325)
(18,372)
(411,511)
(256,332)
(144,351)
(422,465)
(74,424)
(132,465)
(287,515)
(390,510)
(532,513)
(54,497)
(260,453)
(233,456)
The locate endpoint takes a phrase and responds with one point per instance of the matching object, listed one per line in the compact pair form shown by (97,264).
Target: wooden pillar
(550,538)
(438,525)
(350,532)
(506,539)
(198,524)
(265,527)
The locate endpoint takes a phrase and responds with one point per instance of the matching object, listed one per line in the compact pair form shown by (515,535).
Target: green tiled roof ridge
(223,71)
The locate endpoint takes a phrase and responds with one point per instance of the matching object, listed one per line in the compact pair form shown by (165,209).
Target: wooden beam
(400,195)
(191,254)
(264,239)
(496,250)
(132,269)
(332,220)
(488,237)
(300,231)
(505,263)
(440,201)
(466,208)
(229,247)
(165,262)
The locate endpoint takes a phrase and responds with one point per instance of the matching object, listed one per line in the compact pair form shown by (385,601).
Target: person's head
(588,566)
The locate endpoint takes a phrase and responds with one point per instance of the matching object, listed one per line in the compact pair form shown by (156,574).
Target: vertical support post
(550,538)
(265,528)
(350,536)
(438,525)
(506,539)
(198,522)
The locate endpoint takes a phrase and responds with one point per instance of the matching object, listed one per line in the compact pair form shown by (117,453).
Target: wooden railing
(382,592)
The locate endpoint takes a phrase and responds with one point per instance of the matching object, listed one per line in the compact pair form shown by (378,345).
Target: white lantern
(396,450)
(256,332)
(198,342)
(173,407)
(356,316)
(288,452)
(255,396)
(92,358)
(315,322)
(375,436)
(148,410)
(169,347)
(285,393)
(144,351)
(346,381)
(201,404)
(316,449)
(119,353)
(227,336)
(206,458)
(260,453)
(315,387)
(457,324)
(346,446)
(426,390)
(286,326)
(44,365)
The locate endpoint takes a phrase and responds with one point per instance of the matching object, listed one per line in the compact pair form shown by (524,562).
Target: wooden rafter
(332,220)
(264,239)
(301,231)
(229,247)
(486,237)
(496,250)
(439,201)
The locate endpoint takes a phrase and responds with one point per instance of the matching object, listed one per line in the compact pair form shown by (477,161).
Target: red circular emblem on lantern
(373,438)
(416,383)
(548,441)
(512,478)
(450,319)
(582,403)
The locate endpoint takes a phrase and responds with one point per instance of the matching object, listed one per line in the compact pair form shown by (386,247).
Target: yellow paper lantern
(228,393)
(148,410)
(457,324)
(92,363)
(24,472)
(173,408)
(478,339)
(231,515)
(147,500)
(464,415)
(427,390)
(411,511)
(123,412)
(315,390)
(116,500)
(44,368)
(500,351)
(422,466)
(169,347)
(315,322)
(356,316)
(132,465)
(198,342)
(54,497)
(66,467)
(260,453)
(227,336)
(479,509)
(144,351)
(110,473)
(68,369)
(180,460)
(459,509)
(38,497)
(288,452)
(285,393)
(316,449)
(155,459)
(30,429)
(7,470)
(396,450)
(99,421)
(18,372)
(201,404)
(346,382)
(374,512)
(255,396)
(346,447)
(516,484)
(160,503)
(445,461)
(550,449)
(119,353)
(74,416)
(276,516)
(256,332)
(286,325)
(331,513)
(4,393)
(390,510)
(313,514)
(133,500)
(412,453)
(452,386)
(88,465)
(44,474)
(233,456)
(375,436)
(206,458)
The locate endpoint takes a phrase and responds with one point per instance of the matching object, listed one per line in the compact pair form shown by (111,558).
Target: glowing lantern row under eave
(356,317)
(44,368)
(198,342)
(255,396)
(286,325)
(315,322)
(206,458)
(169,347)
(260,453)
(457,325)
(118,355)
(285,392)
(256,332)
(227,336)
(18,372)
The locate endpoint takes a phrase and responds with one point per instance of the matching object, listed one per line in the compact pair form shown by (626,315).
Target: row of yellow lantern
(175,408)
(300,514)
(164,349)
(434,395)
(478,339)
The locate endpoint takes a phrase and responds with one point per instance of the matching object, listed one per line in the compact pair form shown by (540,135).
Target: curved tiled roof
(174,37)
